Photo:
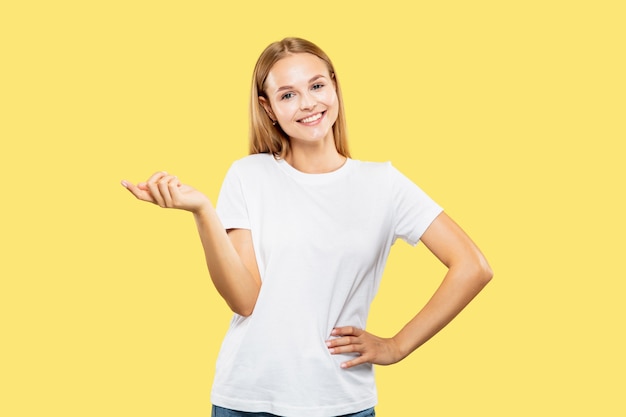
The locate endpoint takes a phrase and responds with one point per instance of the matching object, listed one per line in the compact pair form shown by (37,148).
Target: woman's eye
(317,86)
(286,96)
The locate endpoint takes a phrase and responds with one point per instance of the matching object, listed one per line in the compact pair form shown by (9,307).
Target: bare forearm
(232,279)
(460,285)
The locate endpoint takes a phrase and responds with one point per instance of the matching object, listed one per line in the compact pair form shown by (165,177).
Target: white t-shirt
(321,243)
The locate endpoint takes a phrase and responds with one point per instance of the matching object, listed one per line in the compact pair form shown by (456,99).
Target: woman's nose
(307,102)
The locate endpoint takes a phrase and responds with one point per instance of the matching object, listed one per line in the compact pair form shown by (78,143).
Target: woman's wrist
(405,344)
(204,209)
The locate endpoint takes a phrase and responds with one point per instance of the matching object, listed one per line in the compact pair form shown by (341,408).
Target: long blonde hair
(266,137)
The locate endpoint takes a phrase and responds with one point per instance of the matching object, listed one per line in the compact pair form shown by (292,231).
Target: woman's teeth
(311,119)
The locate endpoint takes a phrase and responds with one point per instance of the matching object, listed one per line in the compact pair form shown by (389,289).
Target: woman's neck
(315,161)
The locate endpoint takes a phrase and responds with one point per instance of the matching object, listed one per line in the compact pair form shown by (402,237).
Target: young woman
(297,246)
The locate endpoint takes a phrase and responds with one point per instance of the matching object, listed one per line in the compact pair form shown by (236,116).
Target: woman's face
(302,98)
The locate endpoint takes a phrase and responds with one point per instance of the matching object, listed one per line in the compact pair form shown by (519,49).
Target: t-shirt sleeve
(231,203)
(414,210)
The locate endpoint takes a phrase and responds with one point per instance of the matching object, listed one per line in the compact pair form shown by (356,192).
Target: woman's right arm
(231,261)
(229,255)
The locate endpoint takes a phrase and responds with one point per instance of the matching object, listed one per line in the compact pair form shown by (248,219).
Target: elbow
(474,270)
(241,301)
(242,310)
(486,275)
(482,271)
(243,313)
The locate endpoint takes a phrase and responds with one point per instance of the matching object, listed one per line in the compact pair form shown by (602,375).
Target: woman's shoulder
(384,172)
(374,173)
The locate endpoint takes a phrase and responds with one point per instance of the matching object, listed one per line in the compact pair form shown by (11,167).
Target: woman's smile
(313,119)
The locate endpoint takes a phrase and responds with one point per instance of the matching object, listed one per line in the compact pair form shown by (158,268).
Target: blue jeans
(225,412)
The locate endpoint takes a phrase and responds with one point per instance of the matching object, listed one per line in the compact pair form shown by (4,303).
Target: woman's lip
(315,116)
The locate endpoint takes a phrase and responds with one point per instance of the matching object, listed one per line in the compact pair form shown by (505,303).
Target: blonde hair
(265,137)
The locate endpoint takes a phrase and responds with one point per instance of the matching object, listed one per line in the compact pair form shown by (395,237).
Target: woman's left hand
(371,349)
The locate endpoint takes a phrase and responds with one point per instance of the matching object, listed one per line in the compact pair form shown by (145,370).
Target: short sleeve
(231,203)
(414,210)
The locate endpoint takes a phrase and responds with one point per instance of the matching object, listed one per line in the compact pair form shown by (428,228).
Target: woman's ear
(268,109)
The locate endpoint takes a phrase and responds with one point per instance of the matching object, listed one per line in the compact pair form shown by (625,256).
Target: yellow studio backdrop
(509,114)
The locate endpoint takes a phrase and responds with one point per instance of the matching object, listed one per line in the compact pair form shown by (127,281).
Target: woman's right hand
(167,191)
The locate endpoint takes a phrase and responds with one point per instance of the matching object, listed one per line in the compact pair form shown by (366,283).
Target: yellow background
(509,114)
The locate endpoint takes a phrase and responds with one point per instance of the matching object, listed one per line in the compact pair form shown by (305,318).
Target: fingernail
(331,350)
(124,184)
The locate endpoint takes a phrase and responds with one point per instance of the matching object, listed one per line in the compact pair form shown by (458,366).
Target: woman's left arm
(468,272)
